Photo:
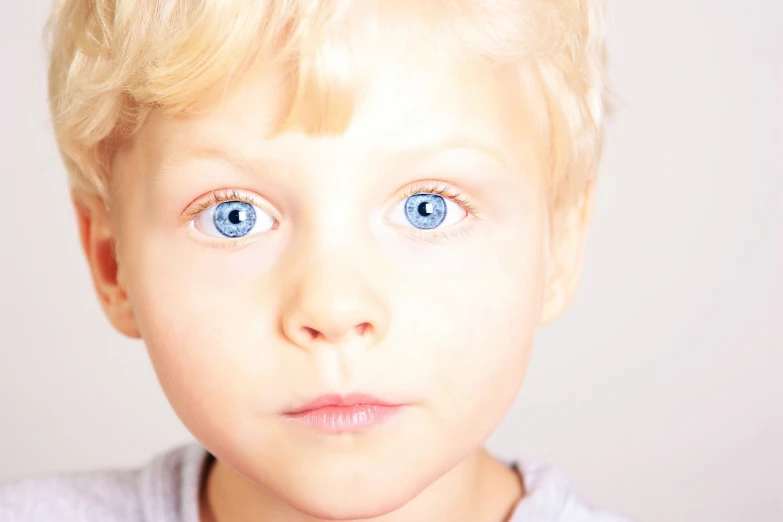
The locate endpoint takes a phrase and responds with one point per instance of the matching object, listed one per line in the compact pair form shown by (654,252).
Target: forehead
(402,105)
(413,101)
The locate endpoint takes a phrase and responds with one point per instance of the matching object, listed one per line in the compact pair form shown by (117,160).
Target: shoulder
(109,495)
(550,495)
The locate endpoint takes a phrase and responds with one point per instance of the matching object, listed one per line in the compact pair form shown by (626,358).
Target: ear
(567,247)
(99,243)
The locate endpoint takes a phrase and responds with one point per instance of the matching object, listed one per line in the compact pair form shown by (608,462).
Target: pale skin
(339,296)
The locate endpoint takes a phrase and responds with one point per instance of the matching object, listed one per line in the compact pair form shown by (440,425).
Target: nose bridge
(332,294)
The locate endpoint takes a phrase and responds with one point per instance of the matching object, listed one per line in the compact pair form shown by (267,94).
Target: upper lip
(336,399)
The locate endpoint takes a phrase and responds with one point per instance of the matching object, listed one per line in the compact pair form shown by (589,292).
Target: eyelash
(216,198)
(441,189)
(432,187)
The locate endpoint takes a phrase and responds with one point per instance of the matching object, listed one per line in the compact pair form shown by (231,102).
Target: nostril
(313,332)
(361,329)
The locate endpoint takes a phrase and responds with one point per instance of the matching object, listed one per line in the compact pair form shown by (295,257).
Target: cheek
(475,312)
(207,324)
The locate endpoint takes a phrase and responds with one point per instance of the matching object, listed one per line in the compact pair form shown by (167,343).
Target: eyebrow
(467,142)
(213,152)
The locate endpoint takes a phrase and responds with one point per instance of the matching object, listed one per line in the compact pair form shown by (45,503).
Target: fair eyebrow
(468,142)
(231,157)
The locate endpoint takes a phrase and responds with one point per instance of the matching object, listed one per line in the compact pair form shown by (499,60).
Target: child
(336,225)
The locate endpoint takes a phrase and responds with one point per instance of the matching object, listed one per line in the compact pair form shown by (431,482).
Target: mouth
(344,413)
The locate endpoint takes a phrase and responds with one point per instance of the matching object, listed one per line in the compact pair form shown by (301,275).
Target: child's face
(334,290)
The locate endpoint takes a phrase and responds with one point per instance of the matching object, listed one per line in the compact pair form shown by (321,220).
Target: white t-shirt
(166,490)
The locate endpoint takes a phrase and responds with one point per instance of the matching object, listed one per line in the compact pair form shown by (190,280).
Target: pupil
(425,209)
(234,217)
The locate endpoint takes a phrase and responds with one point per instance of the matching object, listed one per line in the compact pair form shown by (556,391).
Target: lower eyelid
(442,236)
(227,244)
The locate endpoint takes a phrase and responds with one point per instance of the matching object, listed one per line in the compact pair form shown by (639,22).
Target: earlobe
(99,245)
(568,239)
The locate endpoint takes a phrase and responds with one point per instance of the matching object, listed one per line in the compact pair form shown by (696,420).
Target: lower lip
(345,419)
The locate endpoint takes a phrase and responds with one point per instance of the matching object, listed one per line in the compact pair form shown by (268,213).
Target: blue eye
(232,219)
(427,211)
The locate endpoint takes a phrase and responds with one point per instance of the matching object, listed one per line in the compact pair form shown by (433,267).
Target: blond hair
(113,61)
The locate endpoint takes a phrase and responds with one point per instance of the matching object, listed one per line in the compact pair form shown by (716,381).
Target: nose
(333,302)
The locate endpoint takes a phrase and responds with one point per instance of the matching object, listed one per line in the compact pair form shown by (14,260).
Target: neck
(478,489)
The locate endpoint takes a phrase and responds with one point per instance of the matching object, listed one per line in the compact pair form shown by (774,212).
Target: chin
(347,500)
(349,506)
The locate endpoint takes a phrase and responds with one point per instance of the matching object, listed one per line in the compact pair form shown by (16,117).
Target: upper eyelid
(221,195)
(214,198)
(444,189)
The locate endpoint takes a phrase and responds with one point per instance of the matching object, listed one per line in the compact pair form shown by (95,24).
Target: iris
(234,218)
(425,210)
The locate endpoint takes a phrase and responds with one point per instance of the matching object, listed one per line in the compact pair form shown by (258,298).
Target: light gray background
(659,393)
